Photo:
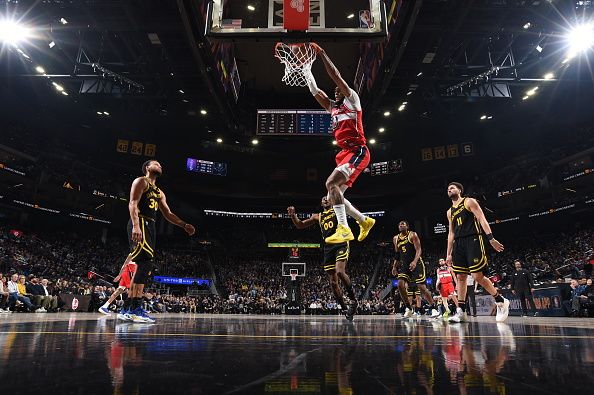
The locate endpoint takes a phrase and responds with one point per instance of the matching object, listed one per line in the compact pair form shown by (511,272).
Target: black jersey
(149,201)
(465,223)
(405,249)
(328,222)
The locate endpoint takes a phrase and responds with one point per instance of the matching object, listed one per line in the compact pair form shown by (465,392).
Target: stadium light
(40,70)
(351,16)
(63,21)
(532,91)
(99,113)
(334,142)
(483,117)
(105,113)
(64,93)
(181,91)
(255,142)
(58,87)
(11,32)
(382,130)
(549,76)
(203,111)
(251,8)
(387,114)
(372,141)
(420,74)
(219,140)
(402,107)
(52,44)
(527,25)
(525,97)
(580,38)
(409,93)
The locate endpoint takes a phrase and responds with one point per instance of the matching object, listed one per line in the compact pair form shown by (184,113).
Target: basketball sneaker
(502,310)
(124,315)
(104,310)
(408,313)
(364,228)
(139,315)
(342,235)
(434,313)
(460,316)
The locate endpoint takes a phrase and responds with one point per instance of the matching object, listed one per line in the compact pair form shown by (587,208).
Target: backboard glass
(288,266)
(329,20)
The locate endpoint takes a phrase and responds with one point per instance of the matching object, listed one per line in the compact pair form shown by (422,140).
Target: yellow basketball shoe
(342,235)
(364,228)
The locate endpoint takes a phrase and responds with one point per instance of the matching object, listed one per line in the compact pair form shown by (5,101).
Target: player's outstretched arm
(332,71)
(299,224)
(475,208)
(317,93)
(174,219)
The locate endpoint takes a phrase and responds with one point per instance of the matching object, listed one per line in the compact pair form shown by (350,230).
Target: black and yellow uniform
(412,291)
(405,254)
(468,255)
(332,252)
(147,213)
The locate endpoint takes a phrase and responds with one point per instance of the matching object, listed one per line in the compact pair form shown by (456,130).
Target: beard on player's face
(453,195)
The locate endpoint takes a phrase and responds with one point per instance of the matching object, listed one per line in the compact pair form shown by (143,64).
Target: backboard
(288,266)
(329,20)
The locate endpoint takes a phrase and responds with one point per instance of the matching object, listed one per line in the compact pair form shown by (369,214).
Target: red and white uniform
(444,278)
(347,123)
(127,275)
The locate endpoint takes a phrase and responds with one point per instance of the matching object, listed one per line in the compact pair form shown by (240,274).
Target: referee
(522,286)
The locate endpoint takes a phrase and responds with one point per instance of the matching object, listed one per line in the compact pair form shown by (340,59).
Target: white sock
(353,212)
(341,216)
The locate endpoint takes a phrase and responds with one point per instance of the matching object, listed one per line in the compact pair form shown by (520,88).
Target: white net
(297,59)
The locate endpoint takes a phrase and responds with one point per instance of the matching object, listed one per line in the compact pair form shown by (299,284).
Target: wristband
(490,236)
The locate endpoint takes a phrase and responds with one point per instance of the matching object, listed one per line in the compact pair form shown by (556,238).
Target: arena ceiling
(146,64)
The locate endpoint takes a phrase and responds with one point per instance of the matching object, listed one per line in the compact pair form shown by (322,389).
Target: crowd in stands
(37,268)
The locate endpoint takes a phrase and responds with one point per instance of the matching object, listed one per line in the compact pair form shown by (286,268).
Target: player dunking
(347,122)
(466,250)
(145,199)
(125,276)
(335,255)
(408,254)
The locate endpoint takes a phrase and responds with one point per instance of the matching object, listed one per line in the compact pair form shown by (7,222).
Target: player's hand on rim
(316,48)
(497,246)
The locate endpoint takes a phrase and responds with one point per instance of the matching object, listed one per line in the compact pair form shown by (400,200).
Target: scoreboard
(290,122)
(388,167)
(206,167)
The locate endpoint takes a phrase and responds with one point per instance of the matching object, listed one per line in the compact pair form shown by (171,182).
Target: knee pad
(143,271)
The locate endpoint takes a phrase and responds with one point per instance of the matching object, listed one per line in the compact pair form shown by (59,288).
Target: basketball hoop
(293,273)
(297,59)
